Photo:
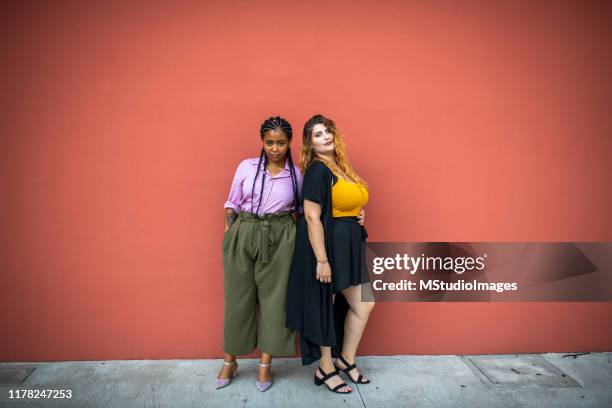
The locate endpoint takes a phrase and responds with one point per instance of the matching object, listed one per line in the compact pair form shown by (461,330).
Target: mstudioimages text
(440,285)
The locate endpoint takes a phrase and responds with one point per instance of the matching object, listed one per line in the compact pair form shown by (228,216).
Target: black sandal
(348,368)
(319,381)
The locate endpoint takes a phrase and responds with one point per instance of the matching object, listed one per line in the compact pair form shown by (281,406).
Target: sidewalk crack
(360,396)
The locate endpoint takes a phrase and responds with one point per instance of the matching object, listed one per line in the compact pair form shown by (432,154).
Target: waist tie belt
(267,238)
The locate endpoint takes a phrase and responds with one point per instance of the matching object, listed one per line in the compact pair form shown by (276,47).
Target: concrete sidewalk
(533,380)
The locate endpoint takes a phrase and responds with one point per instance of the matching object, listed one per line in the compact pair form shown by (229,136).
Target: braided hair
(275,123)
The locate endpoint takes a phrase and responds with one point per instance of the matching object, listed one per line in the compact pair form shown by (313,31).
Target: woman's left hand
(361,217)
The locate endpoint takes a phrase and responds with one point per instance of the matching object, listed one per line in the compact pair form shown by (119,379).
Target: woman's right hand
(324,272)
(230,218)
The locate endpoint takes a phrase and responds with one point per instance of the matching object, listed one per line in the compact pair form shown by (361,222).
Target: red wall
(121,126)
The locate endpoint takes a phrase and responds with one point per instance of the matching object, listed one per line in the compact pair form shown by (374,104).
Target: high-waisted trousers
(257,253)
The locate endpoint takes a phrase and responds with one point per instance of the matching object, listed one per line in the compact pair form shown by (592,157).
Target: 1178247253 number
(39,394)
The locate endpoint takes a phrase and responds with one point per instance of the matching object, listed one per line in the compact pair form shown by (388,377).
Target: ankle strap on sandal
(348,367)
(264,365)
(328,375)
(229,364)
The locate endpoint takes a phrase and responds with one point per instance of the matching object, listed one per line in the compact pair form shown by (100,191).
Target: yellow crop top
(348,198)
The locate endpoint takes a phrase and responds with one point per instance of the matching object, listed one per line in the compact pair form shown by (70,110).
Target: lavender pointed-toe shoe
(263,385)
(224,382)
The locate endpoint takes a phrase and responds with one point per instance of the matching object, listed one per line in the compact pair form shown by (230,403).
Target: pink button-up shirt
(277,193)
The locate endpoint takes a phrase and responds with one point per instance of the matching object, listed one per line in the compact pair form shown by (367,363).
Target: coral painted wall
(121,125)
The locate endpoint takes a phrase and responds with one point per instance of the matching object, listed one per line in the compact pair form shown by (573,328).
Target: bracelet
(321,261)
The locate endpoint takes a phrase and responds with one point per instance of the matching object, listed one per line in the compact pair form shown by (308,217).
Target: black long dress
(311,310)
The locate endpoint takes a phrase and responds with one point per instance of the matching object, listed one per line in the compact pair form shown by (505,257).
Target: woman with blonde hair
(328,270)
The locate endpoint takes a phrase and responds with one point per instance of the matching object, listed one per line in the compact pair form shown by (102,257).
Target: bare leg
(354,325)
(327,365)
(227,370)
(265,373)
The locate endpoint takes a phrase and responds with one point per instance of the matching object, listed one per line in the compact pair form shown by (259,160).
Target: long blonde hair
(309,156)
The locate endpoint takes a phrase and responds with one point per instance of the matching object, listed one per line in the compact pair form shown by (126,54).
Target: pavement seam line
(360,396)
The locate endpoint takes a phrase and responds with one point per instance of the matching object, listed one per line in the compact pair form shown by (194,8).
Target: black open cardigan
(311,310)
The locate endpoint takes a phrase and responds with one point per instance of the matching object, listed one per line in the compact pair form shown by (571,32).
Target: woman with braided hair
(257,251)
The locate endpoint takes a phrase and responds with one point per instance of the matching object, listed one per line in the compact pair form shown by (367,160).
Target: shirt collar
(285,171)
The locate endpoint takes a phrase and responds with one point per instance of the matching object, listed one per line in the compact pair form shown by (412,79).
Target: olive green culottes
(257,253)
